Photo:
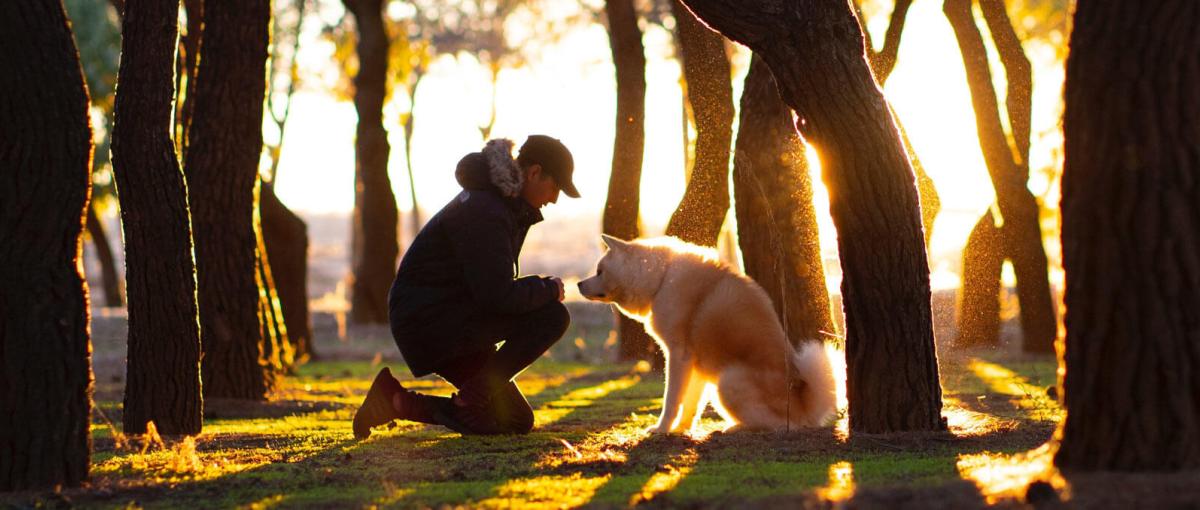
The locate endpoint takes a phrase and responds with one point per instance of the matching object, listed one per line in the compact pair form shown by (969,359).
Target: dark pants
(526,337)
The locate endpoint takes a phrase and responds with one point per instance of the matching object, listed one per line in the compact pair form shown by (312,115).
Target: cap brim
(569,189)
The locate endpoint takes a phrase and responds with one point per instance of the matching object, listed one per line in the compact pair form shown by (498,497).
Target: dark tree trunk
(277,350)
(224,145)
(625,182)
(114,285)
(286,238)
(1130,218)
(375,241)
(883,62)
(815,51)
(45,180)
(777,223)
(162,375)
(185,72)
(705,202)
(1021,233)
(979,301)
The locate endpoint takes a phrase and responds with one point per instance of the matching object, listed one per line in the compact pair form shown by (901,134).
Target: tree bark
(1130,218)
(224,146)
(777,223)
(979,302)
(815,51)
(1021,232)
(705,202)
(45,181)
(113,284)
(286,238)
(163,371)
(883,62)
(624,183)
(375,241)
(277,350)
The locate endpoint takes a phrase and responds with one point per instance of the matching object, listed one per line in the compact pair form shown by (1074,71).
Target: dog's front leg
(679,372)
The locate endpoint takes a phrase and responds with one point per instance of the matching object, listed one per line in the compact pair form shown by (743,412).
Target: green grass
(588,448)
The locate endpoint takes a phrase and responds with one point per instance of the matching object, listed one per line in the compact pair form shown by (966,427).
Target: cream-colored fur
(716,327)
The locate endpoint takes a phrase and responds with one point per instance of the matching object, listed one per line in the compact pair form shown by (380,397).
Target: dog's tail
(814,387)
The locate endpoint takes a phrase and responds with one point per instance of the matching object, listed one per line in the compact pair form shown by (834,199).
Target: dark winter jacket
(462,266)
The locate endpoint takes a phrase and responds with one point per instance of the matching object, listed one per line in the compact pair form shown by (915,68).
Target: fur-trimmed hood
(493,167)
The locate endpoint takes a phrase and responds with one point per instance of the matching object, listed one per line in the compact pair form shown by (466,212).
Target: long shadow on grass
(326,467)
(465,470)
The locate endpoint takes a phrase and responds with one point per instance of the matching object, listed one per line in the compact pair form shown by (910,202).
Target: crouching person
(457,294)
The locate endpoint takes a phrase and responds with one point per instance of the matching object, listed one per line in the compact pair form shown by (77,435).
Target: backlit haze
(567,91)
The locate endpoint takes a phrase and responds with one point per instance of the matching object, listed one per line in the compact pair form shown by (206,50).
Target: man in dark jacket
(458,294)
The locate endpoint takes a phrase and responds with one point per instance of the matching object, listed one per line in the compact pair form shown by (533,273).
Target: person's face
(539,189)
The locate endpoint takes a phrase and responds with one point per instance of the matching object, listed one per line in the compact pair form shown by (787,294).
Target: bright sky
(568,92)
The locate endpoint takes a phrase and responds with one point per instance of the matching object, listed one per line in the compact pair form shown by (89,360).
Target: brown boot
(377,408)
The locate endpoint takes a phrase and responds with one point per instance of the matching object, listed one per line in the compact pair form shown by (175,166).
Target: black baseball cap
(555,159)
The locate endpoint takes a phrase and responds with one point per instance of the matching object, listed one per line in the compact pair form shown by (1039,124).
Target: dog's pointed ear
(611,242)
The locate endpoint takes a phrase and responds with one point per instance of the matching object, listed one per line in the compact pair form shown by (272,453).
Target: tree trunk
(1021,232)
(815,51)
(185,70)
(705,202)
(414,218)
(777,223)
(286,238)
(45,179)
(979,301)
(114,285)
(224,146)
(883,62)
(375,241)
(624,183)
(162,375)
(277,350)
(1130,218)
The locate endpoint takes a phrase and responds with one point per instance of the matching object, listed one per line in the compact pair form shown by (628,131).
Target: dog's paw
(657,430)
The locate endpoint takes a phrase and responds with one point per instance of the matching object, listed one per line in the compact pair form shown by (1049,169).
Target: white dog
(716,327)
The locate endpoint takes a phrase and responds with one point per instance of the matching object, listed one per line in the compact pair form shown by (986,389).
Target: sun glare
(1001,476)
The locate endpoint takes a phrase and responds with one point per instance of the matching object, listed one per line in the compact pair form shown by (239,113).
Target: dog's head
(626,275)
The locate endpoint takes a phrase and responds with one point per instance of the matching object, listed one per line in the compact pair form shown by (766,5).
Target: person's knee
(556,318)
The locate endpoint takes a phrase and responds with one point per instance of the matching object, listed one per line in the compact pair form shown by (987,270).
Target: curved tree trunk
(705,202)
(375,241)
(625,182)
(286,238)
(224,146)
(1021,231)
(114,285)
(1130,218)
(45,180)
(883,62)
(777,223)
(815,51)
(163,372)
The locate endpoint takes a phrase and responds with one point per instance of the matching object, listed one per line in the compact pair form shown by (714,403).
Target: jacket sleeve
(482,241)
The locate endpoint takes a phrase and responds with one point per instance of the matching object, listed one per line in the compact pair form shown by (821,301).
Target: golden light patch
(1001,476)
(583,397)
(668,476)
(546,492)
(1027,396)
(841,482)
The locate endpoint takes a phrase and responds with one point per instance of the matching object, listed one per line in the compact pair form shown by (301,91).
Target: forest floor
(588,447)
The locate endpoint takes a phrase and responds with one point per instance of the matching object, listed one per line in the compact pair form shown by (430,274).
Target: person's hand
(558,282)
